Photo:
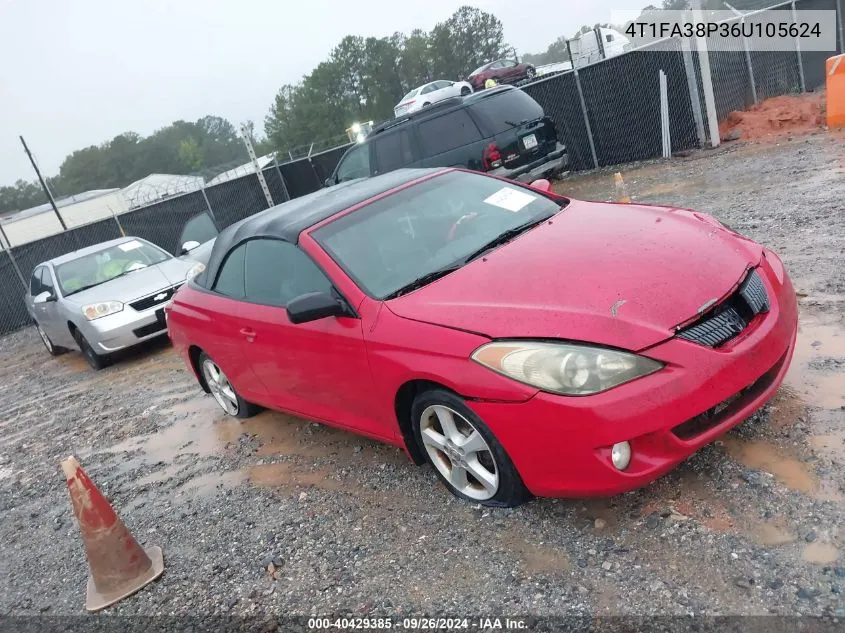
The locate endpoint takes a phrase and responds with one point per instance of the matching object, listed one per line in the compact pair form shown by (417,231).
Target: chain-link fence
(167,211)
(608,112)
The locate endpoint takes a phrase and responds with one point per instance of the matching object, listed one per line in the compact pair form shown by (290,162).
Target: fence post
(748,62)
(281,178)
(252,157)
(586,119)
(841,19)
(706,80)
(692,87)
(798,51)
(208,206)
(569,52)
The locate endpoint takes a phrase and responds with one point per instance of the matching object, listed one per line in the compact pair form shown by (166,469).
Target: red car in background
(519,341)
(503,71)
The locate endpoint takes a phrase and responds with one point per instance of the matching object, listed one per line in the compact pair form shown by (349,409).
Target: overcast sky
(74,74)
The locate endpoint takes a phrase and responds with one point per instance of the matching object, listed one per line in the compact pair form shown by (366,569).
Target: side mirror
(44,297)
(542,185)
(314,306)
(188,246)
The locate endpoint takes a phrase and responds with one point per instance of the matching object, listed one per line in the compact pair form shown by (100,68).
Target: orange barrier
(835,72)
(119,566)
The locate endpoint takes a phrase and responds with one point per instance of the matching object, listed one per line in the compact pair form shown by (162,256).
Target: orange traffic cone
(119,566)
(621,190)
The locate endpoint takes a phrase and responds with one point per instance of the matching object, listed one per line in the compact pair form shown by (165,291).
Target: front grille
(159,325)
(714,416)
(162,296)
(730,318)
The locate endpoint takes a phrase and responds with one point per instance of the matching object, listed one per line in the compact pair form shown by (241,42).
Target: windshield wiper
(426,279)
(503,238)
(512,124)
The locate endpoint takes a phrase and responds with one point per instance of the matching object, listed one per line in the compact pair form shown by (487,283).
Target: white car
(428,93)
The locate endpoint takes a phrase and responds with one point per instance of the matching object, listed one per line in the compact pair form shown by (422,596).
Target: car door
(317,369)
(51,321)
(443,90)
(510,70)
(426,96)
(223,334)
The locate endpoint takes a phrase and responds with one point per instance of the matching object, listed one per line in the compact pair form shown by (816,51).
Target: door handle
(249,333)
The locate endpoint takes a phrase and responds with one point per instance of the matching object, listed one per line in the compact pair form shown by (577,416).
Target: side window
(447,132)
(442,84)
(199,228)
(47,281)
(508,64)
(495,65)
(230,279)
(278,271)
(356,164)
(428,88)
(609,37)
(393,151)
(35,282)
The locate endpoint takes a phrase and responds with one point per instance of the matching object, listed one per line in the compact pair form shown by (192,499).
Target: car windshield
(110,263)
(404,240)
(413,93)
(479,69)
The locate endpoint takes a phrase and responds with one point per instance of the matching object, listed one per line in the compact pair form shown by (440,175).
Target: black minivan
(501,131)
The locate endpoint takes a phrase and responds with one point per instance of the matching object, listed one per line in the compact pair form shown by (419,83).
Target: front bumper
(124,329)
(548,165)
(561,445)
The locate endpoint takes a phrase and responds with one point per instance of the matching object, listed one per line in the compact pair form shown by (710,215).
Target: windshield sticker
(129,246)
(510,199)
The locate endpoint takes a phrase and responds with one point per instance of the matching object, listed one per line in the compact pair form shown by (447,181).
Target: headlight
(104,308)
(564,368)
(195,270)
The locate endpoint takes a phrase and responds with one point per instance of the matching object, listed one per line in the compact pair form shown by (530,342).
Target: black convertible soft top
(287,220)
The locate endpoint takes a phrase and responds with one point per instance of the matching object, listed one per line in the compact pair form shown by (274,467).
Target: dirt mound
(791,114)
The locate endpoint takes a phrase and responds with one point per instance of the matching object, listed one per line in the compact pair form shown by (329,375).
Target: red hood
(619,275)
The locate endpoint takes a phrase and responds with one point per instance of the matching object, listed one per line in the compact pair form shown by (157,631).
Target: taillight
(491,158)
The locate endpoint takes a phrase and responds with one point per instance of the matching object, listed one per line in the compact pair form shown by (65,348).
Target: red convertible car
(519,341)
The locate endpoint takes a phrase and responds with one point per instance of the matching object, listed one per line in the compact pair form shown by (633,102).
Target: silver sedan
(105,297)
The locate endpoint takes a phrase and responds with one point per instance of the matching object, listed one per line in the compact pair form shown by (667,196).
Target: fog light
(620,455)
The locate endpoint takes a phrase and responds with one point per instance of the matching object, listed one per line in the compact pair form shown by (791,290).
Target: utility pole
(44,185)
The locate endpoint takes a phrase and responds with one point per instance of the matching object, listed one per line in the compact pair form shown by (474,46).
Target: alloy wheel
(220,387)
(459,451)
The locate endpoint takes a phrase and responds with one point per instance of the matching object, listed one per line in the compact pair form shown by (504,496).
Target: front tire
(465,454)
(530,73)
(53,350)
(224,393)
(95,360)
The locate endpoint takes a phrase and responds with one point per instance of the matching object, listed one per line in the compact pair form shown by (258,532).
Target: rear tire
(530,73)
(426,104)
(465,454)
(465,91)
(223,391)
(95,360)
(53,350)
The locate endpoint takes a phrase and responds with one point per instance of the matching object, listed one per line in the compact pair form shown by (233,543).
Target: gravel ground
(754,524)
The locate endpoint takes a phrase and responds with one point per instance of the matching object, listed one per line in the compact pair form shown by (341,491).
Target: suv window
(447,132)
(47,281)
(393,150)
(230,279)
(356,164)
(278,271)
(35,282)
(499,112)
